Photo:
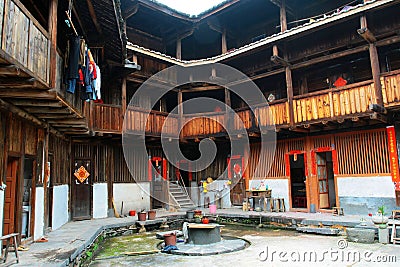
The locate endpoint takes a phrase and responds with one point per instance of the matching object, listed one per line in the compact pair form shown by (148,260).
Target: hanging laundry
(72,63)
(97,85)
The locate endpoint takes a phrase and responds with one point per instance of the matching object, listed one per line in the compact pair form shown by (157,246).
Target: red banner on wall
(394,163)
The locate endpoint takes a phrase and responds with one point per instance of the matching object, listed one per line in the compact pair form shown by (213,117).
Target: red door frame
(287,164)
(335,167)
(150,167)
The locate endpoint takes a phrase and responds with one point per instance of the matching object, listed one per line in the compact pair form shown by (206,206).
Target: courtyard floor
(277,248)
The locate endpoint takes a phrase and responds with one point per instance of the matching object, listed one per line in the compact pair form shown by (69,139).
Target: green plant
(381,210)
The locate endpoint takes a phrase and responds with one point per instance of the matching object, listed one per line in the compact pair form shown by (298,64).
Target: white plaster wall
(100,200)
(60,206)
(39,214)
(381,186)
(1,211)
(135,196)
(280,188)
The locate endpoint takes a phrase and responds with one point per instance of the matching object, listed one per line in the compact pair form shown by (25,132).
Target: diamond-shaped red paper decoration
(82,174)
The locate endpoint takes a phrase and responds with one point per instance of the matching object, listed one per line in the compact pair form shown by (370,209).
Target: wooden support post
(53,42)
(179,49)
(228,105)
(180,113)
(123,99)
(275,51)
(376,73)
(283,16)
(224,44)
(289,86)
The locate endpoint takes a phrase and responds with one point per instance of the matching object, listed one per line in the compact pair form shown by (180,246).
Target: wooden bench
(8,239)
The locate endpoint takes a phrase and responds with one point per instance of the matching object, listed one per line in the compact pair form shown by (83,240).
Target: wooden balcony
(335,104)
(24,45)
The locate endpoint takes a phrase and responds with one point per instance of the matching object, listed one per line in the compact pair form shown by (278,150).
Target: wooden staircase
(180,196)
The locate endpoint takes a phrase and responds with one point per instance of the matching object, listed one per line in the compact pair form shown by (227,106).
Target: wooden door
(10,197)
(322,175)
(82,190)
(236,174)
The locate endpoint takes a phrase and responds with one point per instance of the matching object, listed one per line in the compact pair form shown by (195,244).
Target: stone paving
(70,240)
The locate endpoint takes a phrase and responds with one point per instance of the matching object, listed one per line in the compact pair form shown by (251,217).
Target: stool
(271,204)
(8,238)
(337,211)
(394,238)
(281,204)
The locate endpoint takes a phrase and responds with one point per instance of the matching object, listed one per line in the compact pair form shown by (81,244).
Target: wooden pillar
(179,49)
(224,44)
(289,88)
(228,105)
(46,172)
(53,42)
(283,16)
(123,98)
(376,73)
(180,113)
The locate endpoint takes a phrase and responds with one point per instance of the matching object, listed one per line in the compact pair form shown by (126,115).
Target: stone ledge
(359,235)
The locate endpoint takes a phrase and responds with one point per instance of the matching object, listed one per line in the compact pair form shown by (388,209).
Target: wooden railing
(331,104)
(276,113)
(153,123)
(334,103)
(391,88)
(24,39)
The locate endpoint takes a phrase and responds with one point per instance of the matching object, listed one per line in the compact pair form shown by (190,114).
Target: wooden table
(258,194)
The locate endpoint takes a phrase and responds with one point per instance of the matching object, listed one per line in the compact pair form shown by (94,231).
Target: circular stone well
(226,245)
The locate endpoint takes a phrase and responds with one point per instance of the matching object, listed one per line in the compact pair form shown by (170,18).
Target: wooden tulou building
(330,71)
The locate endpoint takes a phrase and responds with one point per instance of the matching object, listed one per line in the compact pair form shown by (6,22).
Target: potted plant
(142,215)
(151,215)
(380,217)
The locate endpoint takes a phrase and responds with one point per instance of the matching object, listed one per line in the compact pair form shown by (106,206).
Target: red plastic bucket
(132,213)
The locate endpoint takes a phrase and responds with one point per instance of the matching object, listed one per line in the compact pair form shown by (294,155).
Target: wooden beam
(129,12)
(123,99)
(367,35)
(18,83)
(202,88)
(180,113)
(23,114)
(12,70)
(179,49)
(376,73)
(53,41)
(276,59)
(289,86)
(36,94)
(283,18)
(142,33)
(47,116)
(224,45)
(36,103)
(68,121)
(93,15)
(48,110)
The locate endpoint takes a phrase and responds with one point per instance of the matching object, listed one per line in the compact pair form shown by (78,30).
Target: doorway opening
(28,199)
(298,181)
(326,180)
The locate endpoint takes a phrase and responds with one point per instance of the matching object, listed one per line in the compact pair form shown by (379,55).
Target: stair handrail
(176,203)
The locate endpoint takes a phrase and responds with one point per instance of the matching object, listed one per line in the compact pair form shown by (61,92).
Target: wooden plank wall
(1,18)
(359,153)
(25,40)
(363,152)
(204,125)
(14,142)
(61,160)
(31,135)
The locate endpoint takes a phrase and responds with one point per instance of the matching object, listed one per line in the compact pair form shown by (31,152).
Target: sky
(191,7)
